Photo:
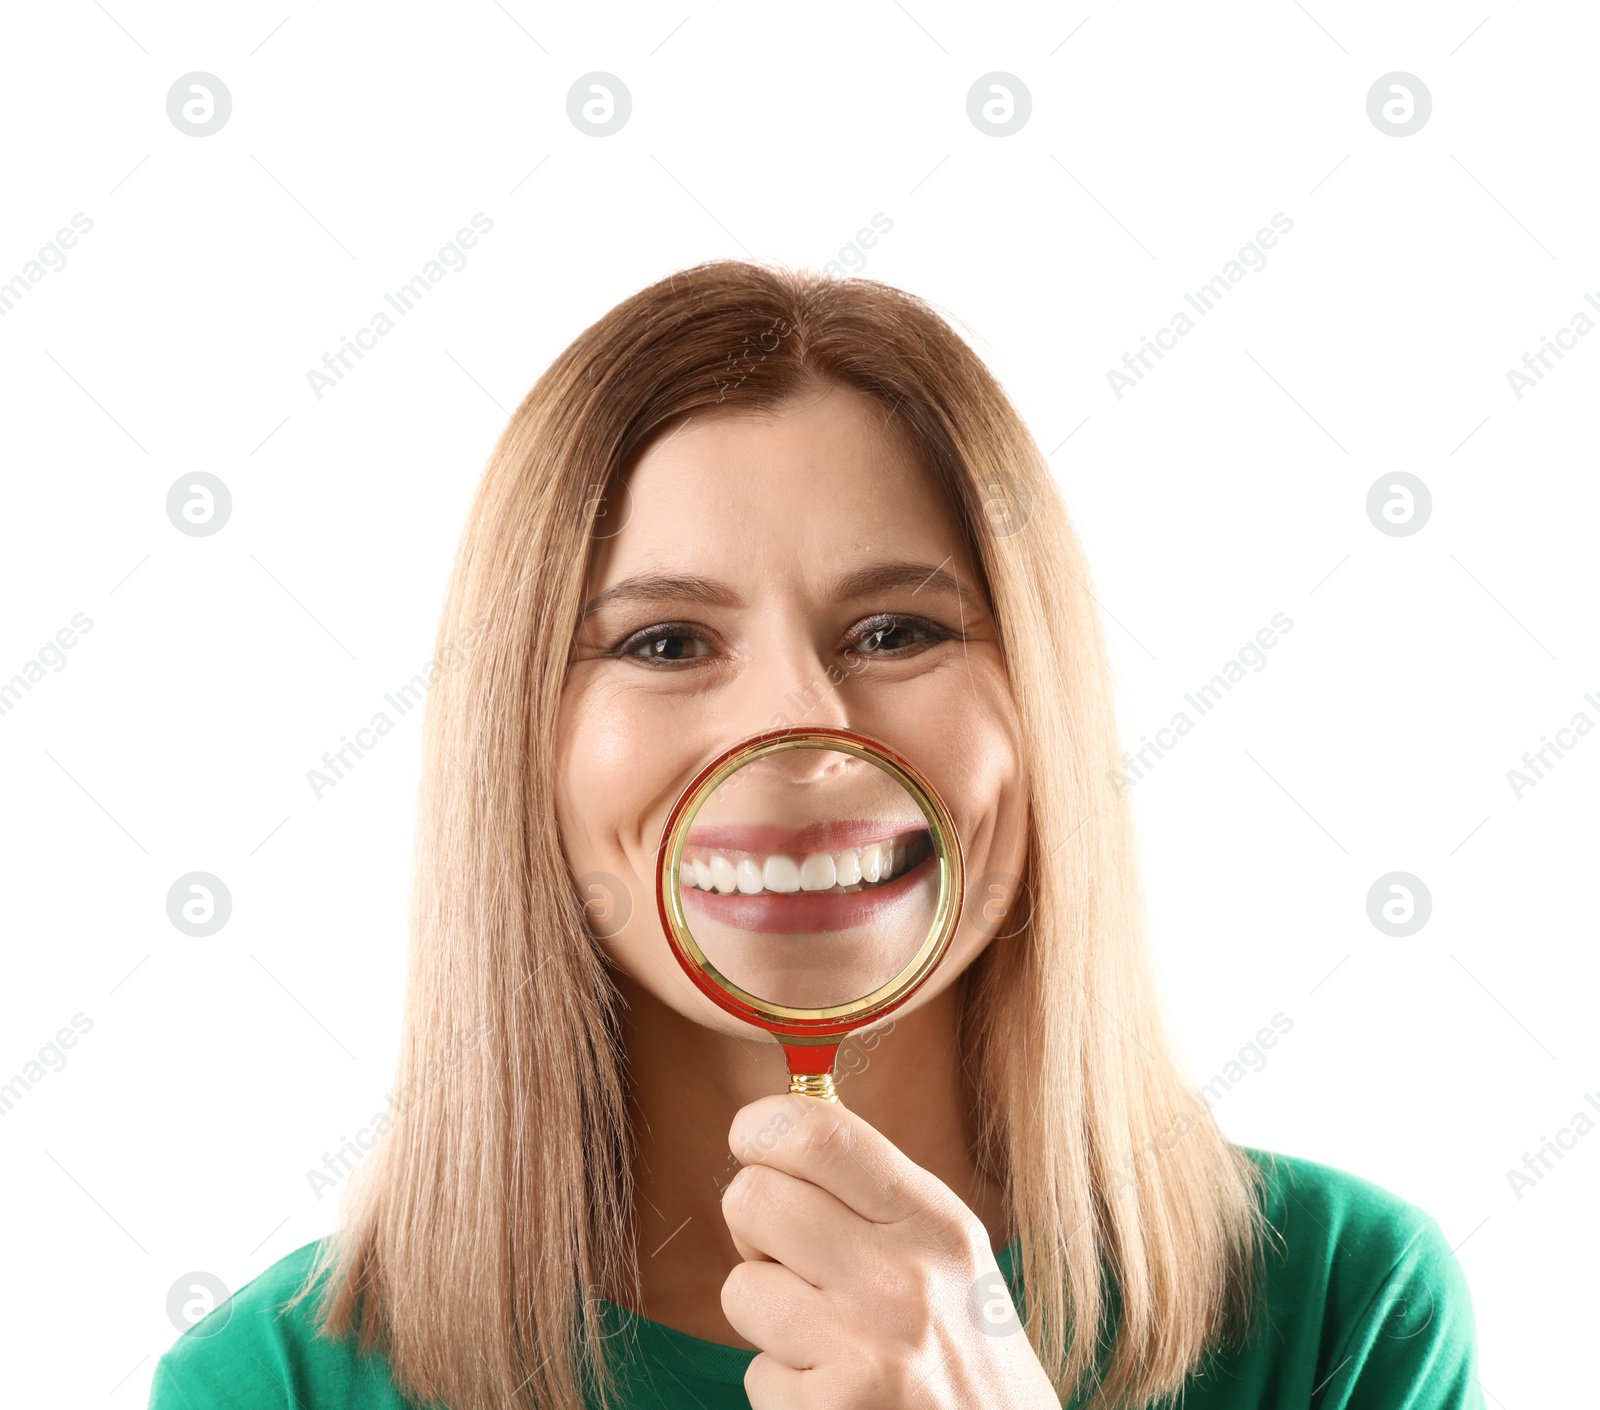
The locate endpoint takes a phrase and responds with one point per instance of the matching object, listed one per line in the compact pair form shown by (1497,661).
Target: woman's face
(795,568)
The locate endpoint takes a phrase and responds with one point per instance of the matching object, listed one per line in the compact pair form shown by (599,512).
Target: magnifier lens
(809,881)
(809,878)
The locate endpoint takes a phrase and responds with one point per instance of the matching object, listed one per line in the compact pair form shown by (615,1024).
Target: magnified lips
(831,836)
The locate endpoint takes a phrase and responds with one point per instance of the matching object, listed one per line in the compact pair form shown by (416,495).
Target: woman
(749,498)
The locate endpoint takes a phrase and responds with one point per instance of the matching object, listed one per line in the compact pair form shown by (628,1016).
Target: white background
(1230,484)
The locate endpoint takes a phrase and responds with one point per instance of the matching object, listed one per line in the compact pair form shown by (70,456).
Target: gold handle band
(813,1084)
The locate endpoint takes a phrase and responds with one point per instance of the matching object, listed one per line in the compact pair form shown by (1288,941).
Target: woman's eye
(883,635)
(664,645)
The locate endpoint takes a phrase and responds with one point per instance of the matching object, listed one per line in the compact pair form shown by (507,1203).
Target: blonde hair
(476,1239)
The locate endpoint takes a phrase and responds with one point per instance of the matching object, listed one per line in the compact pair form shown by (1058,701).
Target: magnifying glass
(809,880)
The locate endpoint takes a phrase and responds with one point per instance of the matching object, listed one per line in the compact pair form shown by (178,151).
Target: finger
(749,1252)
(770,1385)
(773,1215)
(778,1310)
(837,1150)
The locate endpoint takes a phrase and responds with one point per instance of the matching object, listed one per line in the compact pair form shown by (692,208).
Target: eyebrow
(879,577)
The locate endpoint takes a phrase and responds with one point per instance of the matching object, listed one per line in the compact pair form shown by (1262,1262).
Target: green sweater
(1366,1309)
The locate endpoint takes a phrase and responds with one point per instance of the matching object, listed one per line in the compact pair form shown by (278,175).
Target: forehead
(826,482)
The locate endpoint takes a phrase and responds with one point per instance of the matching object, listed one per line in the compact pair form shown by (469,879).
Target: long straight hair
(476,1241)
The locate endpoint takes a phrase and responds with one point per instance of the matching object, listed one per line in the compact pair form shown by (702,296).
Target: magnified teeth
(872,867)
(778,874)
(847,870)
(722,875)
(816,872)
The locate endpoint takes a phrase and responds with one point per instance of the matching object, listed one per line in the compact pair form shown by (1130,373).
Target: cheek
(623,757)
(973,754)
(614,786)
(592,753)
(971,749)
(618,773)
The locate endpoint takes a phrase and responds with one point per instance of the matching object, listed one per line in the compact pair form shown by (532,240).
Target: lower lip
(806,912)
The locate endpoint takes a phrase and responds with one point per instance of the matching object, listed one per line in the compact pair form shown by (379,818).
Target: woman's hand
(867,1284)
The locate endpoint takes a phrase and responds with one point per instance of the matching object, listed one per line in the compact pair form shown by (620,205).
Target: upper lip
(775,838)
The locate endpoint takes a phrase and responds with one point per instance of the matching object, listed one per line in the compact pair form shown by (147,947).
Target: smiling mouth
(730,870)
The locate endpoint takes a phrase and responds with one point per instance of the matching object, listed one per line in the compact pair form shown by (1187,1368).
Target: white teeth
(778,874)
(722,875)
(848,869)
(816,872)
(872,867)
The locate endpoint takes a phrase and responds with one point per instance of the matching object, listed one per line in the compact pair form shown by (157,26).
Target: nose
(791,682)
(806,766)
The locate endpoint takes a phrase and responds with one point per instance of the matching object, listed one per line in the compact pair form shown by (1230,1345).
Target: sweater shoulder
(261,1349)
(1362,1291)
(1334,1211)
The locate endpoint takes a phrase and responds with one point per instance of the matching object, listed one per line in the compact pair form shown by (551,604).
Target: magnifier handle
(811,1069)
